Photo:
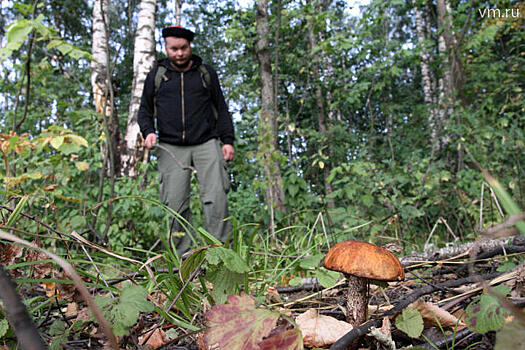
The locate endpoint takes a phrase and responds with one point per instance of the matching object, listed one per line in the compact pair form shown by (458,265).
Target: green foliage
(123,312)
(410,322)
(486,314)
(226,271)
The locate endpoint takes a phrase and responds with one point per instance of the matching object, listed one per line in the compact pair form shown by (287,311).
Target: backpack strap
(206,81)
(161,70)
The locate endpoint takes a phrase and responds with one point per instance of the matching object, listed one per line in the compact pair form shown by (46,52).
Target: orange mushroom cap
(364,260)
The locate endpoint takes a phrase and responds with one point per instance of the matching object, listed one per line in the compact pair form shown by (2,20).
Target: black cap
(179,32)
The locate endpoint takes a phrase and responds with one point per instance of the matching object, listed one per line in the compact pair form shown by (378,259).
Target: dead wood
(459,250)
(363,329)
(25,330)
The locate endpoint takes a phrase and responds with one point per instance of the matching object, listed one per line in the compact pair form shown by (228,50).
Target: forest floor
(455,293)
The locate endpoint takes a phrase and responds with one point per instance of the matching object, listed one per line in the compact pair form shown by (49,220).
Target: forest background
(348,126)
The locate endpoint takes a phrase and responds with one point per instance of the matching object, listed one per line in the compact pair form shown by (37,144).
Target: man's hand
(151,141)
(227,152)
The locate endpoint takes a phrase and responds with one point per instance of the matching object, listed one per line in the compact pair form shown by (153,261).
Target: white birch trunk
(428,85)
(143,61)
(99,51)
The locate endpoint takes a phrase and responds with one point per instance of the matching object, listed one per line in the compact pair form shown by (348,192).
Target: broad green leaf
(486,314)
(238,324)
(231,259)
(225,282)
(78,140)
(18,31)
(311,262)
(57,141)
(326,277)
(511,336)
(410,322)
(124,312)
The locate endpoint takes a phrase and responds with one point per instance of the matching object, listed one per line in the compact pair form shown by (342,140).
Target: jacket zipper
(182,103)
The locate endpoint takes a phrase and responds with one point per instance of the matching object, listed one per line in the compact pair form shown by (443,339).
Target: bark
(274,190)
(321,115)
(101,82)
(143,62)
(428,85)
(178,9)
(452,74)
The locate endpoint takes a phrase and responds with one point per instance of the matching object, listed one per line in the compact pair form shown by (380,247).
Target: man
(195,130)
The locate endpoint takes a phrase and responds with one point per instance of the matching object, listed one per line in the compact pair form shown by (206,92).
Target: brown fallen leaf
(320,331)
(157,339)
(433,315)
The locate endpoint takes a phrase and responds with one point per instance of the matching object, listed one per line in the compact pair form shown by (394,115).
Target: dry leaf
(40,270)
(72,310)
(319,330)
(50,288)
(433,316)
(238,324)
(9,253)
(157,339)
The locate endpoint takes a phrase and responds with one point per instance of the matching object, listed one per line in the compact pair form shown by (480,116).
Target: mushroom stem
(356,300)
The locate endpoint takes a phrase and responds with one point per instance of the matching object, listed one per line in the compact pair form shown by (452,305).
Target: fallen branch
(363,329)
(25,330)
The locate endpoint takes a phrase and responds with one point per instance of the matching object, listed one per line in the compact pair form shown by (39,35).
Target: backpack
(206,82)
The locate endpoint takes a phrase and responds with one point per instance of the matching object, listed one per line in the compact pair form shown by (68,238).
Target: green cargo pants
(214,184)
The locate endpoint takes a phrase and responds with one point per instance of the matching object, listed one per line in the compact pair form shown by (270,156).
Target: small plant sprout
(361,262)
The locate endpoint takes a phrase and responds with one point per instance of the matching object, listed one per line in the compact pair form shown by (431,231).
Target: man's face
(178,51)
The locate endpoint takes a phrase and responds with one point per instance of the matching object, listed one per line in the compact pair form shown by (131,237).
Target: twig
(17,314)
(361,330)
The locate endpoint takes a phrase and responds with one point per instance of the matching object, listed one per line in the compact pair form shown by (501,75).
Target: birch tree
(101,83)
(319,103)
(272,170)
(143,61)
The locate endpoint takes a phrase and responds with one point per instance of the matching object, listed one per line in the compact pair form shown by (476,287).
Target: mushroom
(360,262)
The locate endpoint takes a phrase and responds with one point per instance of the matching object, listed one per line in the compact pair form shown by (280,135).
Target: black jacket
(184,112)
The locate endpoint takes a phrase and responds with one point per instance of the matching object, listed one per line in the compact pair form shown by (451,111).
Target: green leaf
(326,277)
(311,262)
(124,312)
(57,141)
(18,31)
(487,314)
(191,263)
(410,322)
(225,282)
(4,327)
(231,259)
(238,324)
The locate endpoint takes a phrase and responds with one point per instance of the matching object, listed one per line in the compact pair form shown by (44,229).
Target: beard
(181,65)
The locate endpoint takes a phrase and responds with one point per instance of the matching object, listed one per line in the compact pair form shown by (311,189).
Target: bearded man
(183,103)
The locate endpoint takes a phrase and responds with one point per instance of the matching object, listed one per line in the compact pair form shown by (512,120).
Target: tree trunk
(178,11)
(452,75)
(321,115)
(274,190)
(101,82)
(427,81)
(143,61)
